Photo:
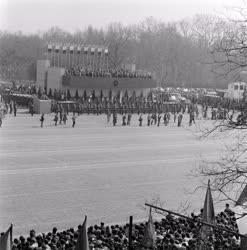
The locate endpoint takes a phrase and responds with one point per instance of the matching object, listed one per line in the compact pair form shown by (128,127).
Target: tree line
(177,53)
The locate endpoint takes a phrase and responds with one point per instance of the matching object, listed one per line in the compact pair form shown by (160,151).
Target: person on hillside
(42,118)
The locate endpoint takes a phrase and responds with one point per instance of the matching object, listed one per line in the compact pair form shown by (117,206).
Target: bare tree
(117,37)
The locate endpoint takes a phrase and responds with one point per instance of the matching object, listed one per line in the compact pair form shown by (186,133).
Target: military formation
(155,109)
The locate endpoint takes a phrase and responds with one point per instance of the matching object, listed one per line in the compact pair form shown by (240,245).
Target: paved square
(52,176)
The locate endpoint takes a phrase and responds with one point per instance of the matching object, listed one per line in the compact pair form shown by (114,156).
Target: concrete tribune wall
(54,78)
(41,72)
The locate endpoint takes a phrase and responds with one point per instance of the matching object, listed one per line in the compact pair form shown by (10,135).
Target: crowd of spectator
(119,73)
(171,233)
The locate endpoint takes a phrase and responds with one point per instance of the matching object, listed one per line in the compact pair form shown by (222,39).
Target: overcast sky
(33,15)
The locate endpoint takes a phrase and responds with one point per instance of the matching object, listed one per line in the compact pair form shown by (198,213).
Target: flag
(49,48)
(85,50)
(6,239)
(149,233)
(242,198)
(92,51)
(71,49)
(64,49)
(78,50)
(82,241)
(208,216)
(208,209)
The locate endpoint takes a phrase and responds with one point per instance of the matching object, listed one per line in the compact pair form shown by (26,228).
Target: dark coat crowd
(170,233)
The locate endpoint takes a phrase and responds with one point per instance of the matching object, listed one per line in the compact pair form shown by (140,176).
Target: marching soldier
(128,119)
(148,119)
(180,117)
(42,120)
(15,109)
(159,118)
(114,120)
(61,117)
(31,109)
(140,120)
(56,119)
(192,118)
(124,120)
(73,121)
(64,118)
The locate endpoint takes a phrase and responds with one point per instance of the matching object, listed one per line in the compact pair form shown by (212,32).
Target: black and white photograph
(123,125)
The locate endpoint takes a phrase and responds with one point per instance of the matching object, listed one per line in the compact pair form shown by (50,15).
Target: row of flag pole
(77,50)
(68,56)
(208,222)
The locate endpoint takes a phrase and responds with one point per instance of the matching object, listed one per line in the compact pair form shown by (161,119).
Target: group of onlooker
(170,233)
(118,73)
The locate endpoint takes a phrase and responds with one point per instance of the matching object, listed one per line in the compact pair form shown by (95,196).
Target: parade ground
(53,176)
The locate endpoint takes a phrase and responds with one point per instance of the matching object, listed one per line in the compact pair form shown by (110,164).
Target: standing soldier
(1,119)
(108,116)
(165,119)
(148,119)
(114,120)
(175,117)
(180,117)
(61,117)
(124,120)
(10,108)
(56,119)
(73,121)
(64,118)
(15,109)
(168,117)
(159,117)
(140,120)
(205,112)
(42,120)
(6,107)
(31,109)
(192,117)
(128,119)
